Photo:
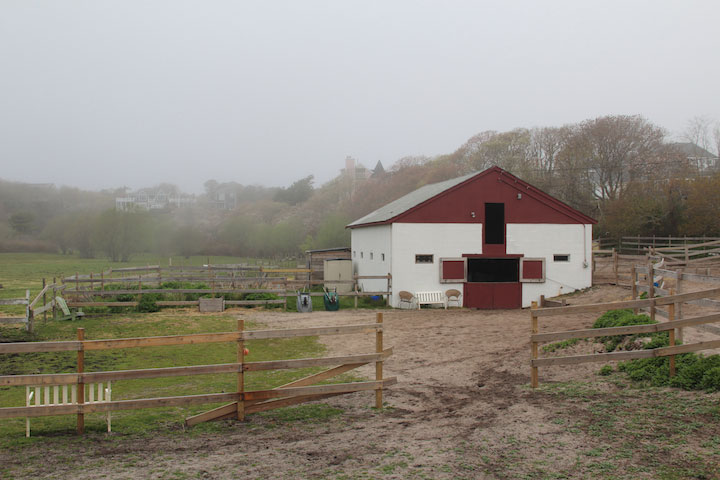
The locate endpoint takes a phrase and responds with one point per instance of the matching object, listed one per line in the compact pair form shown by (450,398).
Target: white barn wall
(545,240)
(439,239)
(375,240)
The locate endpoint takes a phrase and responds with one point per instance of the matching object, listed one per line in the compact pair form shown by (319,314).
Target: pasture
(462,408)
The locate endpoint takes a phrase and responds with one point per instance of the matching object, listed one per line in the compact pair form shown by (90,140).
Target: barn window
(423,258)
(492,270)
(532,270)
(361,254)
(382,257)
(561,257)
(453,270)
(371,255)
(495,223)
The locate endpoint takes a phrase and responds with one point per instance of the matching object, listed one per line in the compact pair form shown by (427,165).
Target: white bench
(431,298)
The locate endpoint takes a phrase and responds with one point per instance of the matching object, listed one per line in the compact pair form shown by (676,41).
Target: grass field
(25,271)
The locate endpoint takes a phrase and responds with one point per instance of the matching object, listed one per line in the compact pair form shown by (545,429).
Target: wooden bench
(431,298)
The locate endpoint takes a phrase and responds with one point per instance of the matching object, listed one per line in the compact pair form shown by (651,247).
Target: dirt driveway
(462,408)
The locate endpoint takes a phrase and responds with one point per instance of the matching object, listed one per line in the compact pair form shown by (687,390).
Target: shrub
(622,318)
(148,302)
(606,370)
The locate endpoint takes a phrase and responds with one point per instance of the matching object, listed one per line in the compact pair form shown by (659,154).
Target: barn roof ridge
(410,200)
(387,213)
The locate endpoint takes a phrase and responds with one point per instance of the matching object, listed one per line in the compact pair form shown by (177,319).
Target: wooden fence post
(29,316)
(356,292)
(102,280)
(633,279)
(44,300)
(615,266)
(651,288)
(241,371)
(679,307)
(671,333)
(534,381)
(80,384)
(54,311)
(379,363)
(77,286)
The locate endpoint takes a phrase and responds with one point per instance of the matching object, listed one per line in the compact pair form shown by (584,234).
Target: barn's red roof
(461,200)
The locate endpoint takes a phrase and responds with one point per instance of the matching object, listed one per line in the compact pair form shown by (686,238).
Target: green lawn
(21,271)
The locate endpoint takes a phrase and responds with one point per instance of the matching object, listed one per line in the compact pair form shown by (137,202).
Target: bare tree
(617,150)
(698,131)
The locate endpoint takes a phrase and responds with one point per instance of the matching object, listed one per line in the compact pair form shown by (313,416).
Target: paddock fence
(639,245)
(103,289)
(27,319)
(242,401)
(671,302)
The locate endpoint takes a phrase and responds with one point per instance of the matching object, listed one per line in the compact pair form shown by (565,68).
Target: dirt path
(462,408)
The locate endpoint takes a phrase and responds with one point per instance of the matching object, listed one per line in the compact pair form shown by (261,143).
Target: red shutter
(453,270)
(532,270)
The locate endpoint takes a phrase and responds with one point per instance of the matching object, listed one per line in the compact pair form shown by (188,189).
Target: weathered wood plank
(691,347)
(286,402)
(311,362)
(45,308)
(592,307)
(190,339)
(311,331)
(627,330)
(34,347)
(14,301)
(44,379)
(11,320)
(595,357)
(318,389)
(219,413)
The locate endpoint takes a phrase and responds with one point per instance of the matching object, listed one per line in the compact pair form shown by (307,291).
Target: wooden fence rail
(27,319)
(673,326)
(243,401)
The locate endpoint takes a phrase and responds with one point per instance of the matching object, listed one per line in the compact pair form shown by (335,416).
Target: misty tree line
(621,170)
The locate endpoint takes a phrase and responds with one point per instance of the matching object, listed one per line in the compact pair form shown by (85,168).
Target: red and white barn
(497,239)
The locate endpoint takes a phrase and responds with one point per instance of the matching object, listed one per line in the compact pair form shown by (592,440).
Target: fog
(100,94)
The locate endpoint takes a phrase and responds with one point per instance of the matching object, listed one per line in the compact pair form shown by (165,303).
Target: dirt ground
(462,408)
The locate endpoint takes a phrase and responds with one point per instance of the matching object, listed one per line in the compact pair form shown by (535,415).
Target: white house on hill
(497,239)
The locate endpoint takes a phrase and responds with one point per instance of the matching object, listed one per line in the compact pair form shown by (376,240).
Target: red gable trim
(507,179)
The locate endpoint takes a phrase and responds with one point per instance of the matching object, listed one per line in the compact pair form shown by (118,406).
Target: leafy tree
(120,234)
(23,222)
(298,192)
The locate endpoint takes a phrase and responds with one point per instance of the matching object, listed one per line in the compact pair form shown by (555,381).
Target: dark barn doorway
(493,283)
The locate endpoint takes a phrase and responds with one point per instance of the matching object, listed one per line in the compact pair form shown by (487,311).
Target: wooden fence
(672,302)
(84,290)
(638,245)
(27,319)
(698,255)
(243,402)
(614,268)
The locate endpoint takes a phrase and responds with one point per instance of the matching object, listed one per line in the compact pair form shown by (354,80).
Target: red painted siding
(453,269)
(492,295)
(533,269)
(458,204)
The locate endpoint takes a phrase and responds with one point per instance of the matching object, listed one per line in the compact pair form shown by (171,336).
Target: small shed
(316,259)
(500,241)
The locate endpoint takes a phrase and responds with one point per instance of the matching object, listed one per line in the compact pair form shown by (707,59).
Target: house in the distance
(497,239)
(153,199)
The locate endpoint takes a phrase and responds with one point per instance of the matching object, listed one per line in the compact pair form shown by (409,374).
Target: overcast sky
(99,94)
